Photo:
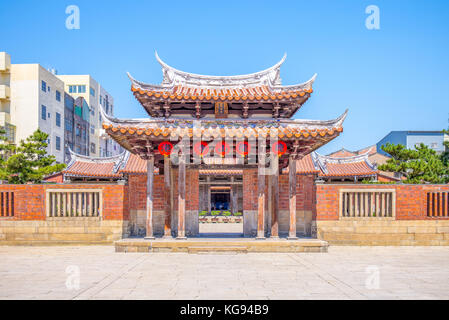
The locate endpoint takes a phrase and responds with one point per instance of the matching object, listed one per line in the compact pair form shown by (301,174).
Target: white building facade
(32,97)
(94,94)
(37,102)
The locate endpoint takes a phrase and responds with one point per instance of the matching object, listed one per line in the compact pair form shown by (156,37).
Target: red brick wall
(411,200)
(250,189)
(192,189)
(138,190)
(29,200)
(305,192)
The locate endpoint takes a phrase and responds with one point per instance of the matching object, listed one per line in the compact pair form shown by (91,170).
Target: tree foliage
(29,161)
(422,165)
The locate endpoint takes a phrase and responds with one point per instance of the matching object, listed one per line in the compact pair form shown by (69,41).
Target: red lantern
(201,148)
(279,147)
(222,148)
(242,148)
(165,148)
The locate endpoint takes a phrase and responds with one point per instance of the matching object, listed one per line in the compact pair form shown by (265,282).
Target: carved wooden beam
(245,110)
(198,110)
(276,109)
(167,109)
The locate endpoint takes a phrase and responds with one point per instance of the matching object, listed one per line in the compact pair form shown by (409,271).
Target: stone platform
(220,245)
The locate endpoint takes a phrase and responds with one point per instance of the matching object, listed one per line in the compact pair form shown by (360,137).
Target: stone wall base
(58,231)
(384,232)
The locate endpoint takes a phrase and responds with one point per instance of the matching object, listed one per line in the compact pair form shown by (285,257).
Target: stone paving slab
(342,273)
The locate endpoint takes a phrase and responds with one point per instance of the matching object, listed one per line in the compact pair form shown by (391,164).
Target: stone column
(234,196)
(167,198)
(209,204)
(150,179)
(275,196)
(261,190)
(182,197)
(292,197)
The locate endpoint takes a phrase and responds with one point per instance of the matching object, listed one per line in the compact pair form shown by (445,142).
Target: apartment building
(94,94)
(5,96)
(66,107)
(76,126)
(37,102)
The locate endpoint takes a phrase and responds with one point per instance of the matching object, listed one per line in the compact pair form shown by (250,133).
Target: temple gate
(202,128)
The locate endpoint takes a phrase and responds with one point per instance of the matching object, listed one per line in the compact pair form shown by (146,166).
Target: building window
(92,92)
(101,100)
(92,129)
(44,86)
(44,112)
(58,95)
(82,89)
(48,88)
(58,119)
(72,89)
(68,125)
(58,143)
(92,147)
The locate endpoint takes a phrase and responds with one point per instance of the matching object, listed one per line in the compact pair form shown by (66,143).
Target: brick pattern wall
(138,190)
(29,200)
(192,189)
(411,200)
(305,192)
(250,189)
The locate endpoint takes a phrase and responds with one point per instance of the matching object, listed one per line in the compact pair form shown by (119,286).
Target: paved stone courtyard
(343,273)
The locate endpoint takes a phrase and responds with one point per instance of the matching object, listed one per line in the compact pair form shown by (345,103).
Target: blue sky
(395,78)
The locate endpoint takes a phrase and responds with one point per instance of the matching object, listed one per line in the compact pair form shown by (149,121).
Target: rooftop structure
(351,167)
(252,95)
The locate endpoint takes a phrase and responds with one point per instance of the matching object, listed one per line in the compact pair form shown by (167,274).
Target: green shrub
(227,213)
(203,213)
(215,212)
(238,214)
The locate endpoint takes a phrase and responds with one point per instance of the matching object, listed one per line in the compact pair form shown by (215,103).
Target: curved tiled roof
(85,166)
(105,167)
(222,172)
(342,153)
(263,85)
(306,166)
(135,164)
(336,166)
(159,127)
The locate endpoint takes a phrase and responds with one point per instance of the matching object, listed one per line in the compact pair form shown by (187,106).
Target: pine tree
(422,165)
(30,161)
(6,149)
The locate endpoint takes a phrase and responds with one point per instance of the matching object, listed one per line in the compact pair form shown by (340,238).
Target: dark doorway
(220,201)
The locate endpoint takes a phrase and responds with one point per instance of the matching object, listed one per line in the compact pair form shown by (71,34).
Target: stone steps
(217,249)
(217,245)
